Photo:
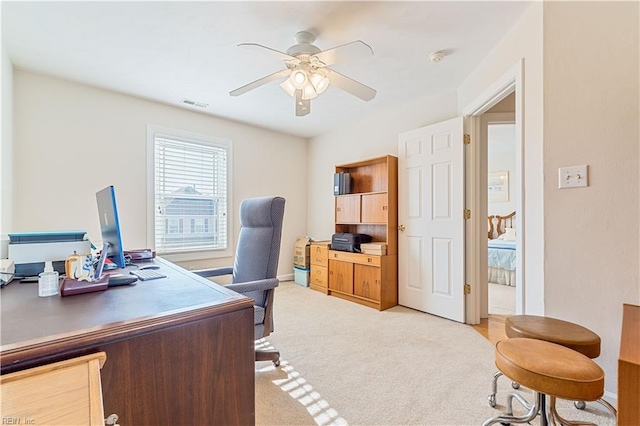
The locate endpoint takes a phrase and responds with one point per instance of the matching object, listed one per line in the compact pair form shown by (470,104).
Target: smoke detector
(438,56)
(194,103)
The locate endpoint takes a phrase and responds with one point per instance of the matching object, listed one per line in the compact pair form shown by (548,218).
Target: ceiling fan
(307,73)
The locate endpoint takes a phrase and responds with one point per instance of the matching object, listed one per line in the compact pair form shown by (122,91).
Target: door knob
(401,228)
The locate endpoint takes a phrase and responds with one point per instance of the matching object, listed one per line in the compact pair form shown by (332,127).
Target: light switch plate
(572,177)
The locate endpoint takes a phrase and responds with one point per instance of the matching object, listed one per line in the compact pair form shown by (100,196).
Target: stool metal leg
(494,388)
(609,407)
(562,420)
(520,399)
(526,418)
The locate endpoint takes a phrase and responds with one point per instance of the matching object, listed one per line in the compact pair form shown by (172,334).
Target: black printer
(349,242)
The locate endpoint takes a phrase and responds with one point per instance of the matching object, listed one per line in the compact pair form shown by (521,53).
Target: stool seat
(551,369)
(553,330)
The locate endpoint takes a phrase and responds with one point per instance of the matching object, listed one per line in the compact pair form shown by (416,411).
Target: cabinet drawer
(366,282)
(320,254)
(319,275)
(363,259)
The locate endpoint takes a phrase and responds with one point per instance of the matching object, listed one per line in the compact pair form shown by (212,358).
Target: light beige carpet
(502,299)
(343,363)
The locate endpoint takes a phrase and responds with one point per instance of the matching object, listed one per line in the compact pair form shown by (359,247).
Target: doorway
(477,191)
(501,207)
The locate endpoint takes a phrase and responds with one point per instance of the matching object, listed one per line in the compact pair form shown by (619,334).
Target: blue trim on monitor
(107,209)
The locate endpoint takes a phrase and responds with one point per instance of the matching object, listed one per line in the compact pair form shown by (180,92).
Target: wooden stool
(568,334)
(547,369)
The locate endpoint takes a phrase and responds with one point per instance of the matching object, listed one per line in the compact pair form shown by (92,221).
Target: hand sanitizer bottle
(48,281)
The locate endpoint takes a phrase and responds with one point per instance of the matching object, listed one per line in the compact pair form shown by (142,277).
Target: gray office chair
(256,263)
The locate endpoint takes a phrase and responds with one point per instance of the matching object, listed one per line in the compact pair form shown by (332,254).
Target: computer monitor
(110,225)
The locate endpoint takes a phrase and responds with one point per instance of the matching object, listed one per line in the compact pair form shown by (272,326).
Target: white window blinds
(190,195)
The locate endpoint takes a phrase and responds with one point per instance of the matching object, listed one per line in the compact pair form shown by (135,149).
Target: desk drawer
(319,275)
(320,253)
(362,259)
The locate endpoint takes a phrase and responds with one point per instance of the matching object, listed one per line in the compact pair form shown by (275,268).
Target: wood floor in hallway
(492,328)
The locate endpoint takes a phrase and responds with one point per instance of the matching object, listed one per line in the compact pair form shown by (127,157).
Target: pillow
(509,234)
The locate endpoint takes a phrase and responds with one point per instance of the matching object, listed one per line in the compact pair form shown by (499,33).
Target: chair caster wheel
(276,363)
(515,385)
(580,405)
(492,400)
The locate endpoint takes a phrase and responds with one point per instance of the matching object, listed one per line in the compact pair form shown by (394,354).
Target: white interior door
(431,218)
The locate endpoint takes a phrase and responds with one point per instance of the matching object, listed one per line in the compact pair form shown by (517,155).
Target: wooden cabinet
(371,208)
(629,367)
(319,253)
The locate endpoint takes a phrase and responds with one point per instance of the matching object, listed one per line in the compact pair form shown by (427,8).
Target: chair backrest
(258,248)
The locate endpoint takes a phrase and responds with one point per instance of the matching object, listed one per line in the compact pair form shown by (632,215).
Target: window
(189,192)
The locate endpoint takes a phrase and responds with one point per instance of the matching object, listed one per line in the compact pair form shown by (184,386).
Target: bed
(502,249)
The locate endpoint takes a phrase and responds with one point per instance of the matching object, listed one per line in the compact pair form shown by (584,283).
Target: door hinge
(466,139)
(467,214)
(467,289)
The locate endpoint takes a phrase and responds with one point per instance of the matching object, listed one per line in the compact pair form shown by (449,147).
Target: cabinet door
(341,276)
(348,209)
(366,282)
(375,208)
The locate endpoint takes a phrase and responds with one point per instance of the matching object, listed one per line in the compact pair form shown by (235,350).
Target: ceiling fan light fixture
(320,83)
(299,78)
(288,87)
(309,92)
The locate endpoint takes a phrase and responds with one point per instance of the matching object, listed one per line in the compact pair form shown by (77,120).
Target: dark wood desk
(180,350)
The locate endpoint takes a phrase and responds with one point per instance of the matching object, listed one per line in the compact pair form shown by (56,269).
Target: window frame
(189,137)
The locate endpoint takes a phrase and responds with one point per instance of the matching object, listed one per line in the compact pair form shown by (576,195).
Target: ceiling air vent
(194,103)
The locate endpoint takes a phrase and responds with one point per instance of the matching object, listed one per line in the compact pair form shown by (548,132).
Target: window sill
(196,255)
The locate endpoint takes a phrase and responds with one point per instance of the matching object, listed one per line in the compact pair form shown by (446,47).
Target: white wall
(6,152)
(592,116)
(502,157)
(73,140)
(378,135)
(524,40)
(581,248)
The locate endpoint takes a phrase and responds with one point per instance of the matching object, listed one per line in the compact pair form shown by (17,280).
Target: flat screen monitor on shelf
(110,225)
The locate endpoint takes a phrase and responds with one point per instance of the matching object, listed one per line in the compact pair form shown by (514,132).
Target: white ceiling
(167,51)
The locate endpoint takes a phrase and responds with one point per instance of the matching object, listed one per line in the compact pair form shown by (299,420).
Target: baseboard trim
(611,398)
(285,277)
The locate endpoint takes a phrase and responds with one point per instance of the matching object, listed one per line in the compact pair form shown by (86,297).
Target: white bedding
(502,262)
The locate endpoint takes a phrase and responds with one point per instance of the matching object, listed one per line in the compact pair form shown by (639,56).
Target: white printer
(30,250)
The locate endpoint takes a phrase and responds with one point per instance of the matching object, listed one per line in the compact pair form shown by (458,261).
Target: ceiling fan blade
(355,49)
(264,49)
(353,87)
(264,80)
(303,106)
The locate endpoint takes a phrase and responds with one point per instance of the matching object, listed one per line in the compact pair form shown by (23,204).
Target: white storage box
(301,276)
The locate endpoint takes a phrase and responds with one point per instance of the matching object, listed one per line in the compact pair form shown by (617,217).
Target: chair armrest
(214,272)
(250,286)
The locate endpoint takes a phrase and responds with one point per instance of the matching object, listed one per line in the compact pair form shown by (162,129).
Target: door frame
(487,119)
(476,189)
